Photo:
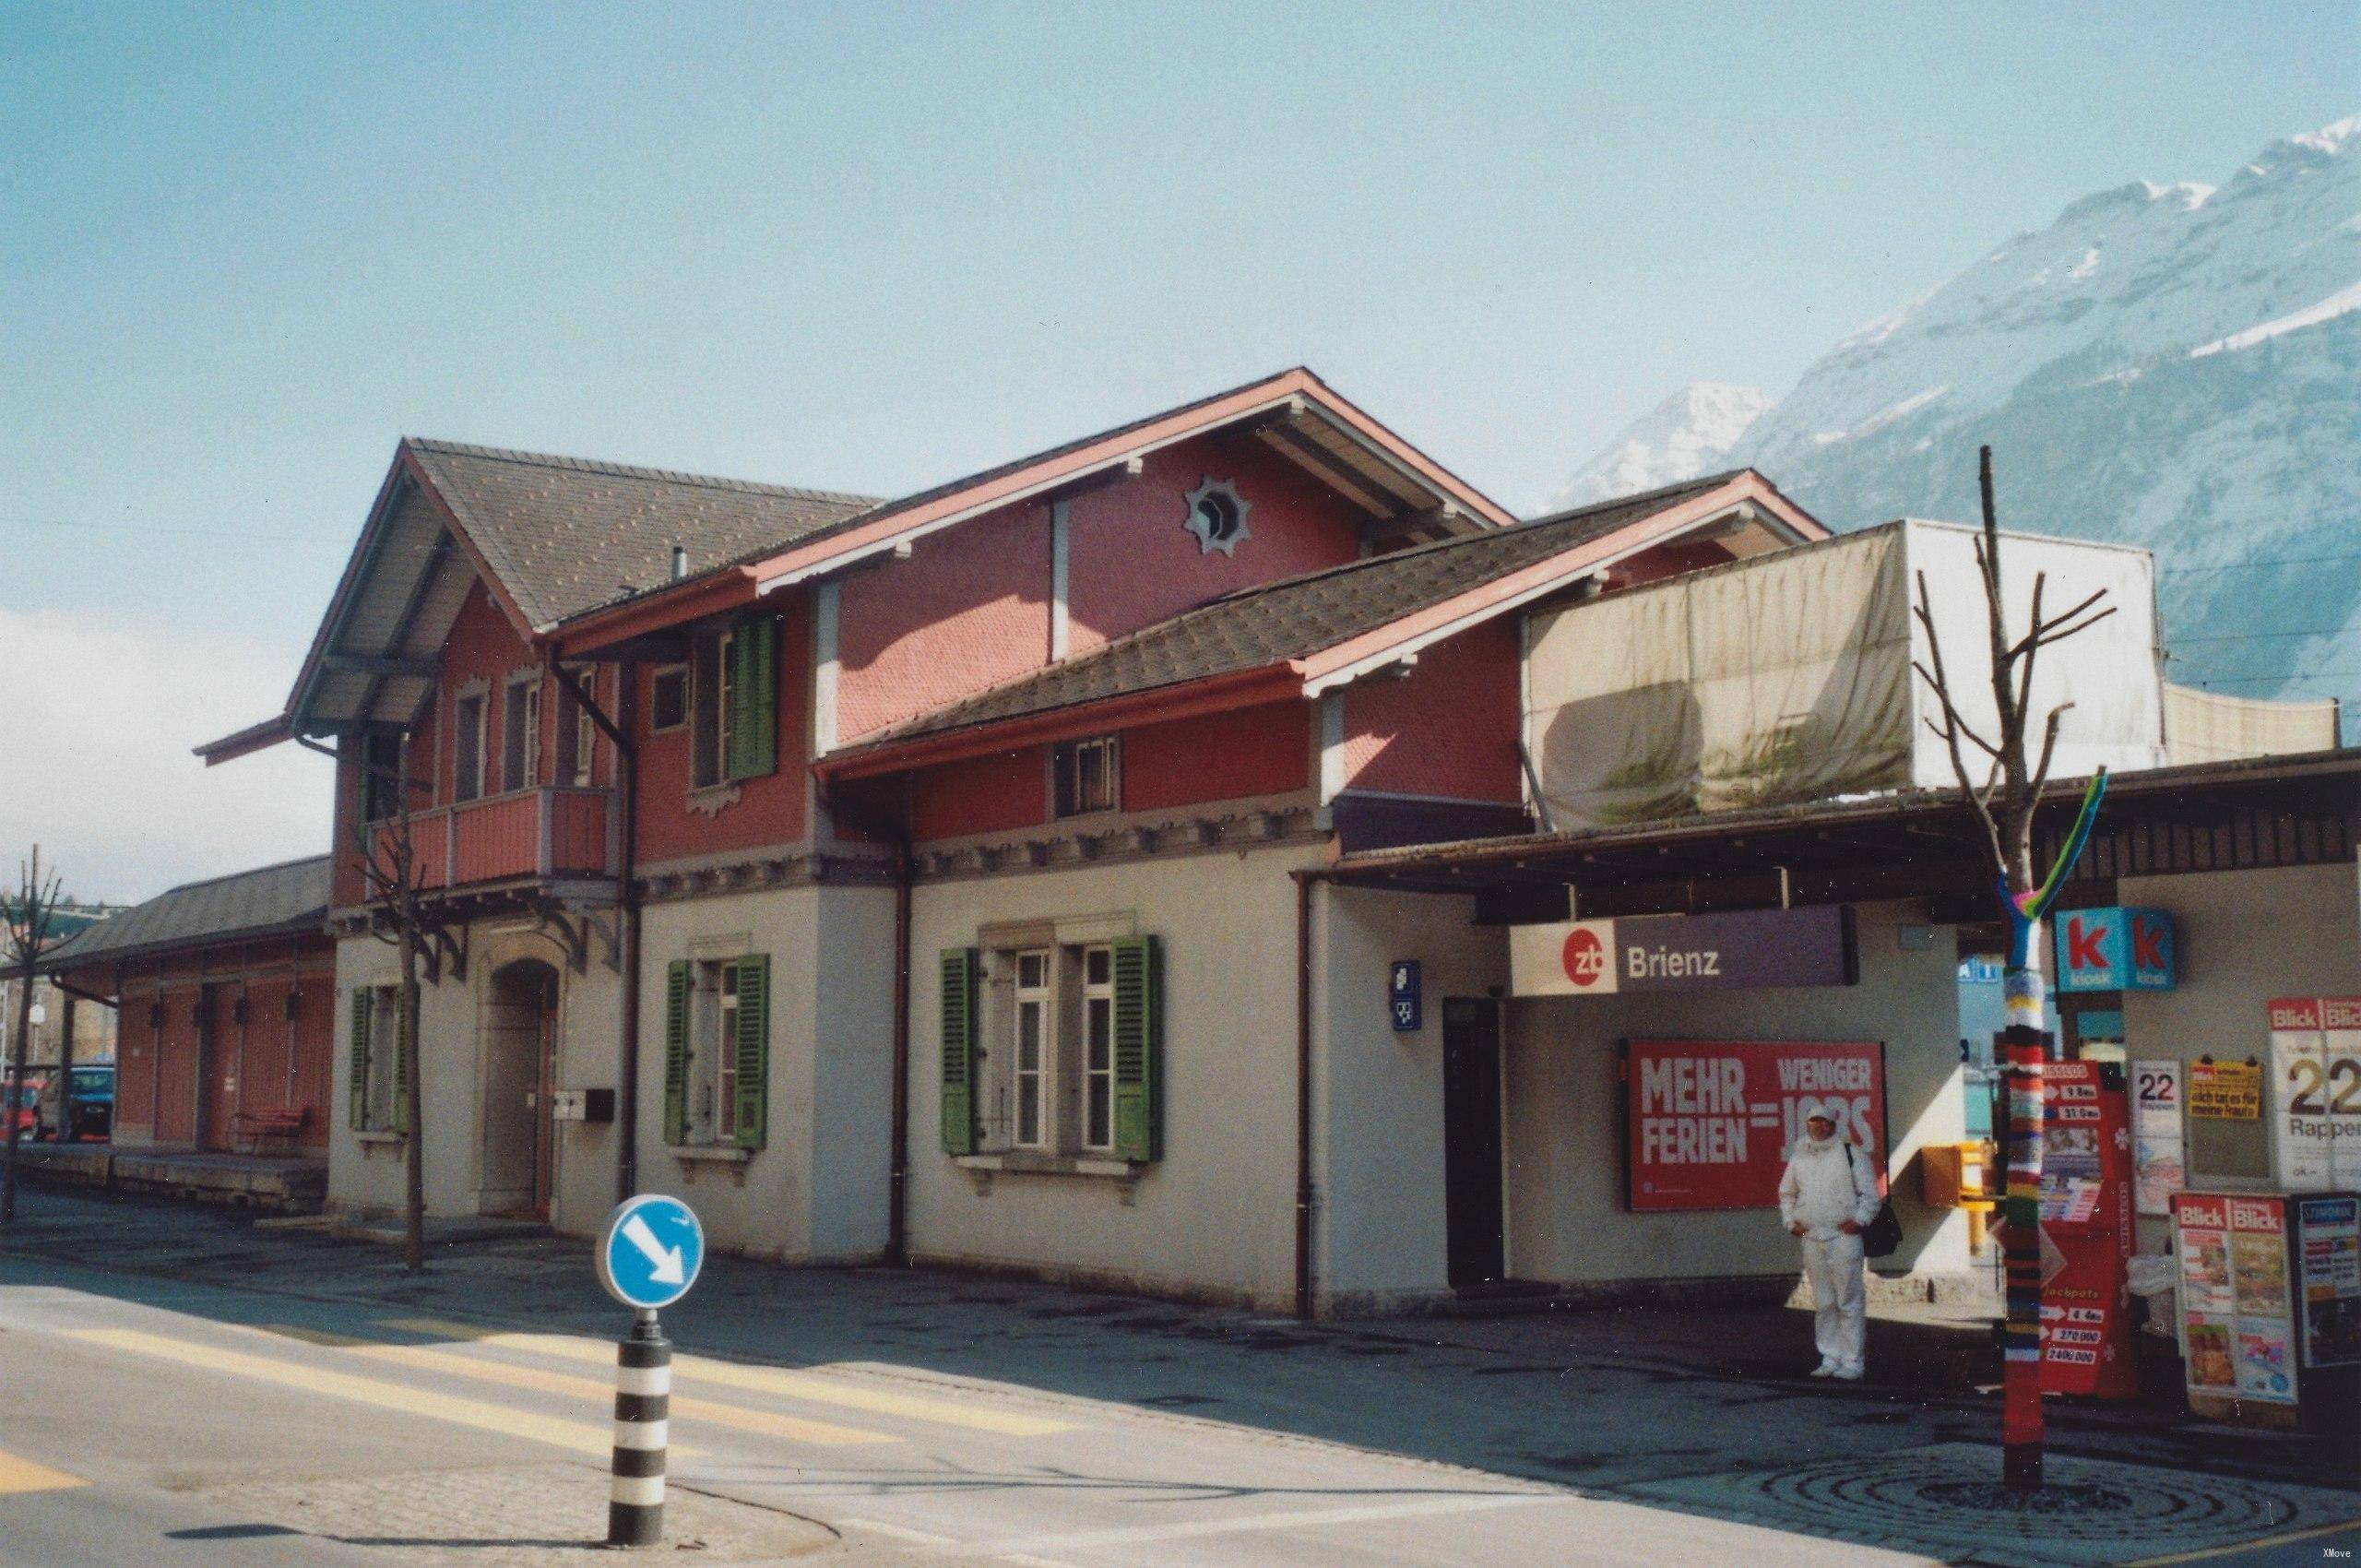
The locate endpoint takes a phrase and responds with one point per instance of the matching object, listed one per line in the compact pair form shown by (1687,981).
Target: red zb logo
(1585,958)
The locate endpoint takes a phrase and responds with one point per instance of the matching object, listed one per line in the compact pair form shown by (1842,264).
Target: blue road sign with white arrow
(650,1251)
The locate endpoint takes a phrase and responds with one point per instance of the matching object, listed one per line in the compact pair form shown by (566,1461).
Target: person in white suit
(1828,1194)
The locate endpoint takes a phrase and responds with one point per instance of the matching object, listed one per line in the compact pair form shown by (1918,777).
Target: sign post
(649,1253)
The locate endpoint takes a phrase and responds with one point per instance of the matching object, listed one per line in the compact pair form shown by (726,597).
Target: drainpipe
(618,730)
(898,1194)
(1304,882)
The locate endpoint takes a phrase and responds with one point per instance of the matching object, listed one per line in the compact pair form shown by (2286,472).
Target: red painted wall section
(482,646)
(1665,561)
(1218,756)
(677,821)
(1449,730)
(969,608)
(268,1061)
(989,794)
(1215,756)
(1132,560)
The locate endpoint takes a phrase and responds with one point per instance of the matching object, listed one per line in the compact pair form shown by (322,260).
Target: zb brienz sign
(1734,952)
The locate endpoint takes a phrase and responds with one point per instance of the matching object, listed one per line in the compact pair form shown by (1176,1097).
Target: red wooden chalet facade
(877,855)
(224,991)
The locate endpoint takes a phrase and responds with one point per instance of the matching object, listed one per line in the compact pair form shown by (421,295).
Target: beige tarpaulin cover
(1787,678)
(1781,681)
(2208,727)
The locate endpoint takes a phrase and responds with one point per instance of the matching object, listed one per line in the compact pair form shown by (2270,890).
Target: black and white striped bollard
(643,1416)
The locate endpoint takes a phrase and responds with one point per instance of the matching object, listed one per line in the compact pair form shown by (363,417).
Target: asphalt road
(270,1406)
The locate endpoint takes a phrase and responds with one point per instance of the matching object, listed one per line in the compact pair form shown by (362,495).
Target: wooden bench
(264,1123)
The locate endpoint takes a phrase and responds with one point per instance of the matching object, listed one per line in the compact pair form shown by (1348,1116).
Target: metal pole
(642,1414)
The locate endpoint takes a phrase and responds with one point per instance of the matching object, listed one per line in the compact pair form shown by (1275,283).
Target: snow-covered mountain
(2175,366)
(1679,439)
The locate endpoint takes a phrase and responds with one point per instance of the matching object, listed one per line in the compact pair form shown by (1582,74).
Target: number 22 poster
(2316,1092)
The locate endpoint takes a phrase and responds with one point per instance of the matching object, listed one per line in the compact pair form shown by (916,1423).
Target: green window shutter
(959,1054)
(1139,1047)
(676,1052)
(402,1050)
(360,1086)
(754,689)
(754,1046)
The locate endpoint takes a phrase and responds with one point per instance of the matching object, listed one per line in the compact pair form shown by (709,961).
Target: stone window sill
(381,1136)
(712,1154)
(1025,1162)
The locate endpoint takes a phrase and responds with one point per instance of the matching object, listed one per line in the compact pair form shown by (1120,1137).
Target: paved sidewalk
(1694,1410)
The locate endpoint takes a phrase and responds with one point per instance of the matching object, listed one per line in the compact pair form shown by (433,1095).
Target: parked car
(23,1102)
(90,1106)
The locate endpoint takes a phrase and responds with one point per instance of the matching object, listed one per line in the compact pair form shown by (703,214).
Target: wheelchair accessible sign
(650,1252)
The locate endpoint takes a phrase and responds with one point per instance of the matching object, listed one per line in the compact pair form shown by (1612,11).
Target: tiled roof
(565,535)
(1292,617)
(288,898)
(1047,455)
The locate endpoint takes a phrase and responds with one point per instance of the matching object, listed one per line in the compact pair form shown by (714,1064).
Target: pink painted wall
(970,609)
(767,810)
(1218,756)
(1132,560)
(1449,730)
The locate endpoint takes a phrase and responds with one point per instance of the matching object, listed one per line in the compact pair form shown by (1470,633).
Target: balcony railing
(559,831)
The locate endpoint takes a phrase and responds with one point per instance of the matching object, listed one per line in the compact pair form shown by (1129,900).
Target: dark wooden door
(1471,1111)
(218,1056)
(544,1129)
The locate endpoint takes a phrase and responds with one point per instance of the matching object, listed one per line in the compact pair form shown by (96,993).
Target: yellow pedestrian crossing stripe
(578,1436)
(755,1379)
(447,1364)
(23,1475)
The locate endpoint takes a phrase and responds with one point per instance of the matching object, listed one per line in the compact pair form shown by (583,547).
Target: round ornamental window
(1217,517)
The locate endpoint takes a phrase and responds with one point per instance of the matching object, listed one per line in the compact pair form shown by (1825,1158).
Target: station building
(1023,874)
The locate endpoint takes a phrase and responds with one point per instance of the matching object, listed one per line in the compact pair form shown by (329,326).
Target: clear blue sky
(245,248)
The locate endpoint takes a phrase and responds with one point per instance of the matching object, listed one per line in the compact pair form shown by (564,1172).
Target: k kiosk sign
(2116,949)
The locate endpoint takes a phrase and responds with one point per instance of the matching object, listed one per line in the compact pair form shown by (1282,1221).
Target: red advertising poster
(2086,1216)
(1707,1124)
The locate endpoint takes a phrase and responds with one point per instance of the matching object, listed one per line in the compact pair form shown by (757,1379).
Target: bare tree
(392,889)
(2004,803)
(28,921)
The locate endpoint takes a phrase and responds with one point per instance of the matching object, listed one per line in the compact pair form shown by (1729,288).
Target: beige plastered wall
(1566,1215)
(2241,938)
(1215,1220)
(366,1171)
(816,1190)
(1378,1169)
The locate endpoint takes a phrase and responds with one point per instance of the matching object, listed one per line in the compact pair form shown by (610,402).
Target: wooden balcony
(555,834)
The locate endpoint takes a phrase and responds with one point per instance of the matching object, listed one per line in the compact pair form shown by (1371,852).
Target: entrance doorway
(520,1056)
(217,1038)
(1471,1114)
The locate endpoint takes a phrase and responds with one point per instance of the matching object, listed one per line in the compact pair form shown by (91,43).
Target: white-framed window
(715,704)
(376,1060)
(466,746)
(577,732)
(383,759)
(1099,1049)
(668,698)
(1036,1030)
(1087,776)
(521,723)
(713,1055)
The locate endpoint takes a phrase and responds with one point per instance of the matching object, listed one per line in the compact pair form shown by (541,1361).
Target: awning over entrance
(2282,811)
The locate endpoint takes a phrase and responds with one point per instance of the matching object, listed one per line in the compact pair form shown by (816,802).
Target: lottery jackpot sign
(1708,1123)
